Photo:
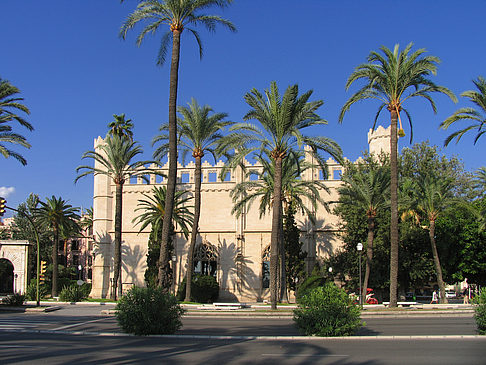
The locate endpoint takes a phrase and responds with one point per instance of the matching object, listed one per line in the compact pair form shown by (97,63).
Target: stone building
(235,250)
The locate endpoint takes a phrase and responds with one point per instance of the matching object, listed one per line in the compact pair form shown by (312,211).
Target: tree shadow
(133,262)
(105,260)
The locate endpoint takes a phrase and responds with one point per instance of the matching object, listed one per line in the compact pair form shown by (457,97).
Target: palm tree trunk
(283,276)
(394,209)
(438,268)
(163,264)
(195,227)
(277,206)
(369,256)
(116,289)
(55,262)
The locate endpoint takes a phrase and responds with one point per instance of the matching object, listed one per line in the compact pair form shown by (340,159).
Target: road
(69,335)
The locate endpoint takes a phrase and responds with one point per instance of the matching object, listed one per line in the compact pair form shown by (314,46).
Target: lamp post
(174,272)
(360,248)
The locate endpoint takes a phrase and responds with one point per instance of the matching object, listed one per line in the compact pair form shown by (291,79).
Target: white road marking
(78,324)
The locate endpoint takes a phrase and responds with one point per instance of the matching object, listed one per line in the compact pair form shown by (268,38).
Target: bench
(401,304)
(231,306)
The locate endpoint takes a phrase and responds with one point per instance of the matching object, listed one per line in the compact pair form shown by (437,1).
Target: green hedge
(308,284)
(480,312)
(149,311)
(327,311)
(205,289)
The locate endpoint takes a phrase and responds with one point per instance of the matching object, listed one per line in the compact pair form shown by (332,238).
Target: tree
(115,158)
(283,118)
(177,15)
(57,215)
(476,116)
(152,209)
(392,78)
(121,127)
(431,195)
(295,191)
(366,186)
(199,133)
(10,105)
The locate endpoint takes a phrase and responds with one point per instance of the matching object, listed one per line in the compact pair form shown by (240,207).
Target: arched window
(266,268)
(205,259)
(6,277)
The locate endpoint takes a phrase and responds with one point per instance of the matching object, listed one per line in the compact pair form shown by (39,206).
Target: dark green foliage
(14,300)
(327,311)
(149,311)
(294,256)
(480,309)
(73,293)
(31,291)
(205,289)
(312,282)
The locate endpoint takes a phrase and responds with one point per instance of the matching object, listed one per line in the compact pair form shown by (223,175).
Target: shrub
(308,284)
(31,291)
(327,311)
(149,311)
(480,312)
(72,293)
(205,289)
(15,300)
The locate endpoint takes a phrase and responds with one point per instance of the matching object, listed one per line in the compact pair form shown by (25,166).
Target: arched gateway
(14,254)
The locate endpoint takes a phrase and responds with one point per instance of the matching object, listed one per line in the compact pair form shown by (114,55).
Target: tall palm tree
(431,195)
(116,159)
(57,215)
(366,187)
(392,78)
(10,105)
(177,15)
(199,133)
(477,116)
(283,118)
(295,192)
(121,126)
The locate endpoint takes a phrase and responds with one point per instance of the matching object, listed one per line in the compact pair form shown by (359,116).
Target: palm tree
(282,118)
(115,158)
(10,104)
(57,215)
(430,196)
(199,133)
(177,15)
(121,127)
(152,209)
(366,187)
(392,78)
(478,117)
(294,192)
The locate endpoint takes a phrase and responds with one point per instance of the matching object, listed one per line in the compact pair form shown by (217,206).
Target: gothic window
(205,259)
(266,268)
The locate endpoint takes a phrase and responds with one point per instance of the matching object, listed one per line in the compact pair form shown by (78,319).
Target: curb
(261,338)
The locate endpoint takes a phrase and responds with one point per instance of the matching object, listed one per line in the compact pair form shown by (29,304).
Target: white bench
(402,304)
(230,306)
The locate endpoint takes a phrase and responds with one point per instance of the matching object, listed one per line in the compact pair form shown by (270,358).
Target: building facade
(233,249)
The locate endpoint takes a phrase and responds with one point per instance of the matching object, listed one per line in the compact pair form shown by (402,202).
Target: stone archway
(16,252)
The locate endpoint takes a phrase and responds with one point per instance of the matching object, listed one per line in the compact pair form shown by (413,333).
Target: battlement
(379,140)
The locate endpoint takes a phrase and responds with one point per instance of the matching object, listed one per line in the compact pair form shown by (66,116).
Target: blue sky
(75,73)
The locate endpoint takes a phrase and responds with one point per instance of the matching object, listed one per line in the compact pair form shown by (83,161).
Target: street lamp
(360,248)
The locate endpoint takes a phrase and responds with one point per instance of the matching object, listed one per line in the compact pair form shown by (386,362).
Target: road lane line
(77,324)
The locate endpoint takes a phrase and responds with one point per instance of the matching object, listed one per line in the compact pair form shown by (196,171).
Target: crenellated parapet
(379,140)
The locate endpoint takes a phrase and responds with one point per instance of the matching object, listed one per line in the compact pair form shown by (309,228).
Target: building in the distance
(234,250)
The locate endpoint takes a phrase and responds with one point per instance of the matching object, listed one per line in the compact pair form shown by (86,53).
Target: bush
(14,300)
(327,311)
(205,289)
(480,310)
(31,291)
(149,311)
(72,293)
(308,284)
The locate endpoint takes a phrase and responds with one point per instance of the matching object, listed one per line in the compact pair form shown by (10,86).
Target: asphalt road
(63,336)
(31,348)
